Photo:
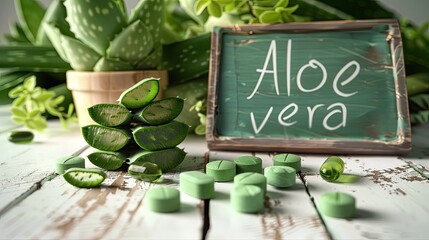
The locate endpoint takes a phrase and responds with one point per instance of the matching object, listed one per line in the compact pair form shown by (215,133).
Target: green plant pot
(90,88)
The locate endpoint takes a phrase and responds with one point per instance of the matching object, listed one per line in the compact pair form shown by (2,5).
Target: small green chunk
(221,170)
(107,160)
(65,163)
(140,94)
(161,111)
(163,199)
(109,114)
(332,168)
(197,184)
(160,137)
(105,138)
(84,178)
(21,136)
(148,172)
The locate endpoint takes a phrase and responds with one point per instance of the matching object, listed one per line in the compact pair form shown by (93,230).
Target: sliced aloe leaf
(109,114)
(161,111)
(160,137)
(105,138)
(84,178)
(166,159)
(141,94)
(107,160)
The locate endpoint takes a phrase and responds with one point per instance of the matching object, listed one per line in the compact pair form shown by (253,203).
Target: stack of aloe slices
(138,129)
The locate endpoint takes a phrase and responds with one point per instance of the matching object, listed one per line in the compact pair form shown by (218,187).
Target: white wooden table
(35,203)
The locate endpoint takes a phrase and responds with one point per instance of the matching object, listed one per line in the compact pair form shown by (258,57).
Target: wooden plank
(23,165)
(288,213)
(390,198)
(114,211)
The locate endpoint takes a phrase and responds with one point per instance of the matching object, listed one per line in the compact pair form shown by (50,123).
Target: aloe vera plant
(102,37)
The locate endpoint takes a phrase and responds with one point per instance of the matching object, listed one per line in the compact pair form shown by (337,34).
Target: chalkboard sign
(321,87)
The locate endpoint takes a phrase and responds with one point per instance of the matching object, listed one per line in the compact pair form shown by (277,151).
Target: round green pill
(280,176)
(286,159)
(147,172)
(337,204)
(332,168)
(163,199)
(21,136)
(197,184)
(247,198)
(248,164)
(251,178)
(65,163)
(221,170)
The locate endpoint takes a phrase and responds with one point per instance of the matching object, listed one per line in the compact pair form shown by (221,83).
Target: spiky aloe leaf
(30,14)
(95,23)
(187,59)
(106,64)
(160,137)
(32,58)
(166,159)
(132,44)
(81,57)
(16,35)
(54,36)
(161,111)
(56,16)
(151,14)
(106,138)
(152,61)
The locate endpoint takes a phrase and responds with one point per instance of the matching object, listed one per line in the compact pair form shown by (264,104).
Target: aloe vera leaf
(30,14)
(32,58)
(106,138)
(317,10)
(132,44)
(16,35)
(161,111)
(105,64)
(141,94)
(161,136)
(107,160)
(151,14)
(188,59)
(152,61)
(95,23)
(166,159)
(109,114)
(54,36)
(56,16)
(373,9)
(12,79)
(81,57)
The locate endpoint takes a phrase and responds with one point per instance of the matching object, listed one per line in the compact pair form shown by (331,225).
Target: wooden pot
(90,88)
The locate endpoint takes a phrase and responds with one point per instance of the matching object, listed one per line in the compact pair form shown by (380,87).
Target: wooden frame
(401,145)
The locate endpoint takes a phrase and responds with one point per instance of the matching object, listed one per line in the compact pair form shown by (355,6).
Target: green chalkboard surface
(327,87)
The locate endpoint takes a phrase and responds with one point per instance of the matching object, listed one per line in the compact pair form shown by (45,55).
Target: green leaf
(133,44)
(95,23)
(109,64)
(36,124)
(57,100)
(200,130)
(417,83)
(107,160)
(106,138)
(200,6)
(18,120)
(30,13)
(141,94)
(109,114)
(281,3)
(30,83)
(54,36)
(81,57)
(214,9)
(34,113)
(18,112)
(161,111)
(270,17)
(16,91)
(166,159)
